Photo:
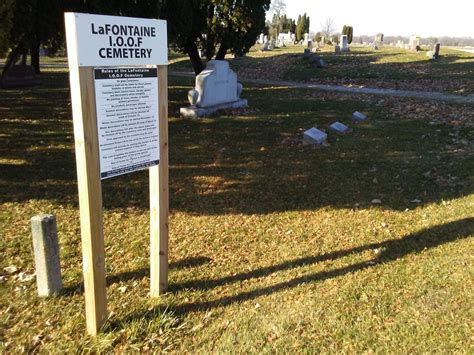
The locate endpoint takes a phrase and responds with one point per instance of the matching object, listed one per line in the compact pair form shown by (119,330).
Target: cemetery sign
(118,77)
(114,40)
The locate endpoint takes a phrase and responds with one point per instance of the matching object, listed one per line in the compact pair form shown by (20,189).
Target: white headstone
(217,84)
(216,88)
(314,136)
(344,43)
(339,128)
(414,42)
(358,116)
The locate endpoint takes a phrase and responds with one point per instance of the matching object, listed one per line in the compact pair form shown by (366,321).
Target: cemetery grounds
(362,245)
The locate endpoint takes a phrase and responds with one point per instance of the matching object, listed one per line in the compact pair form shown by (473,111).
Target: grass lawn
(274,246)
(389,67)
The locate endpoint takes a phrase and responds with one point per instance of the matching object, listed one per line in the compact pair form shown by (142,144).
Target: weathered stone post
(46,250)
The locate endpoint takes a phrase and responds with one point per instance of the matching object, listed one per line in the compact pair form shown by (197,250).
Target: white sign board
(113,40)
(127,119)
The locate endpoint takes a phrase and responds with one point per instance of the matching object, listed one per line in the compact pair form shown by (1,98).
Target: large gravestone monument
(216,88)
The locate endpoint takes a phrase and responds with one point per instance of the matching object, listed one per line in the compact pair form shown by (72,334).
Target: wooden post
(90,195)
(159,200)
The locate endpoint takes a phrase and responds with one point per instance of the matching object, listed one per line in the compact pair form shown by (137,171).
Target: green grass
(274,246)
(388,67)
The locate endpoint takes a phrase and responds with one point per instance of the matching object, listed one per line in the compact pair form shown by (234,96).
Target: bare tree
(328,27)
(278,7)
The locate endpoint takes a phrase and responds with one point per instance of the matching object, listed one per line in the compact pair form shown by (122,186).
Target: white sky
(397,17)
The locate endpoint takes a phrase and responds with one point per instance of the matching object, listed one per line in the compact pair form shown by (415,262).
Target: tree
(350,34)
(347,30)
(278,7)
(293,26)
(299,29)
(328,27)
(235,25)
(6,15)
(318,37)
(31,24)
(306,24)
(213,26)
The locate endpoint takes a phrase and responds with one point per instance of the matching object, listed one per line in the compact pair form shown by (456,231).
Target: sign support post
(90,195)
(120,117)
(159,200)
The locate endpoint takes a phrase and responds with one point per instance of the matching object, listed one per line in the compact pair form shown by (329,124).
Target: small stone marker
(337,49)
(316,59)
(314,136)
(358,116)
(306,53)
(46,249)
(339,127)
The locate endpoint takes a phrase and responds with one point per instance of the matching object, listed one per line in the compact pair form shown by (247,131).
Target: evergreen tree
(299,29)
(293,26)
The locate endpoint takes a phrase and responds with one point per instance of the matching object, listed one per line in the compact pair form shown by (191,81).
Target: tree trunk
(12,58)
(35,58)
(24,57)
(196,60)
(221,52)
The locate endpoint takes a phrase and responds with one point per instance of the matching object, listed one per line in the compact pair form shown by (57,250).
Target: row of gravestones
(282,41)
(316,136)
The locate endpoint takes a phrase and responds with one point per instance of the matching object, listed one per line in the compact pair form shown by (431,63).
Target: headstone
(314,136)
(344,43)
(19,76)
(216,88)
(414,43)
(378,41)
(272,44)
(310,44)
(340,128)
(260,38)
(46,250)
(265,48)
(337,49)
(316,59)
(358,116)
(284,39)
(306,53)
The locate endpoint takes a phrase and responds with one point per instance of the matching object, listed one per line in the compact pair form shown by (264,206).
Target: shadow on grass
(140,274)
(251,163)
(392,250)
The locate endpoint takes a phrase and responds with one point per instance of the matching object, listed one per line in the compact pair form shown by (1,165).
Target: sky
(435,18)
